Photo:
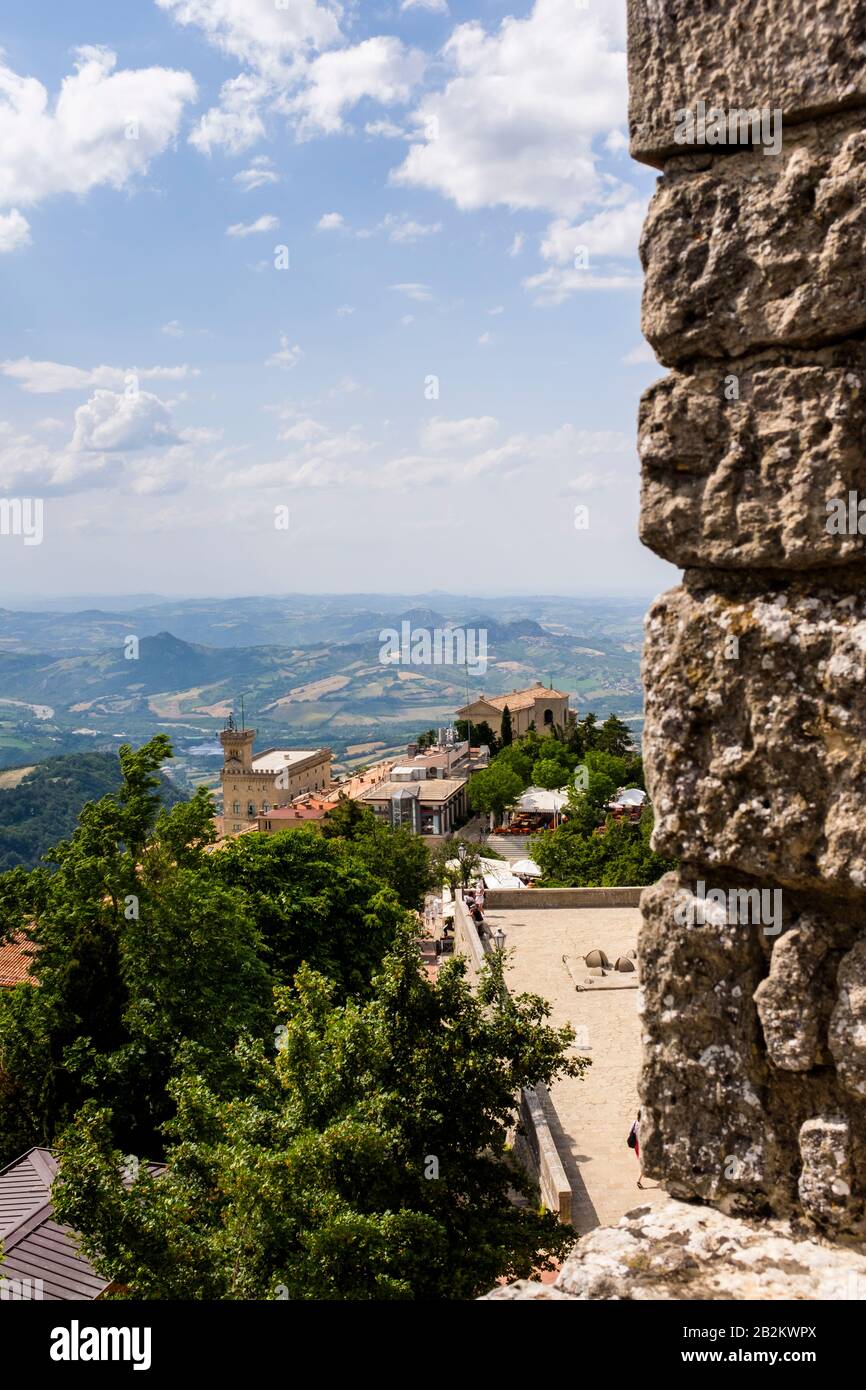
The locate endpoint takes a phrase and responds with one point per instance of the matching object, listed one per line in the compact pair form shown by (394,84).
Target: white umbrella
(527,867)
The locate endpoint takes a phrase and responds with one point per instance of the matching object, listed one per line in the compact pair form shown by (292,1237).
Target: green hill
(44,807)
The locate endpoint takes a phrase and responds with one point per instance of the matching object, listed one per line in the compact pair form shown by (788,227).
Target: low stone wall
(536,1147)
(561,897)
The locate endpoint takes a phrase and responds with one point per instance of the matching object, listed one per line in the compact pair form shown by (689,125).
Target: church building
(538,705)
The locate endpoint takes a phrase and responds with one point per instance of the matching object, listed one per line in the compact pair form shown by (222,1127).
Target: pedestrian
(633,1142)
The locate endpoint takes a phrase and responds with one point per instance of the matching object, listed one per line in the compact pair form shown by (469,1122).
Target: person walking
(633,1142)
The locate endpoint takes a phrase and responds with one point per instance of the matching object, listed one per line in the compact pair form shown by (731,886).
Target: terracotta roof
(518,699)
(313,810)
(15,958)
(35,1246)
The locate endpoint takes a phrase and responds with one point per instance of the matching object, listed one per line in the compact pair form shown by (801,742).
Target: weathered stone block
(795,1002)
(825,1181)
(703,1126)
(678,1251)
(848,1022)
(805,57)
(754,251)
(754,747)
(747,465)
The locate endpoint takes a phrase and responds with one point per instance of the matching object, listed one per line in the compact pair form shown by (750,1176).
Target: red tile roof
(15,957)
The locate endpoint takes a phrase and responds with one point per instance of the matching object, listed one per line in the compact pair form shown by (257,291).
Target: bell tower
(237,747)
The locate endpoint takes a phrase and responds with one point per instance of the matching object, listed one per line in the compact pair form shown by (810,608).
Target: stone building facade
(754,952)
(539,707)
(252,784)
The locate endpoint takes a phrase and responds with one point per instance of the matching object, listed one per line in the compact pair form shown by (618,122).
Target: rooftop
(275,759)
(519,699)
(429,791)
(15,961)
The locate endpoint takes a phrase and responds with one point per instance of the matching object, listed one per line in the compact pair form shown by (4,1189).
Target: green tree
(576,856)
(550,773)
(135,948)
(493,789)
(505,734)
(397,857)
(366,1160)
(313,899)
(614,737)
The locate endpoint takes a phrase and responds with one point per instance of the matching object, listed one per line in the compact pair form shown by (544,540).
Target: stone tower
(237,747)
(754,952)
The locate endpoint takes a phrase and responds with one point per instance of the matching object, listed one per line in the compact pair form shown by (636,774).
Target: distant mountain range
(310,669)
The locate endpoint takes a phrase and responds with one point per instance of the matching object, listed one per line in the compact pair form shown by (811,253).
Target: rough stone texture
(826,1176)
(754,737)
(803,57)
(746,251)
(847,1032)
(796,999)
(683,1252)
(746,481)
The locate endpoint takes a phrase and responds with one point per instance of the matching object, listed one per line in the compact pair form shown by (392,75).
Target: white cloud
(287,357)
(236,123)
(266,223)
(105,127)
(388,130)
(591,482)
(260,33)
(121,421)
(14,231)
(554,286)
(405,229)
(414,290)
(33,469)
(517,244)
(516,120)
(639,355)
(173,329)
(614,231)
(345,311)
(438,434)
(434,6)
(485,339)
(259,173)
(331,222)
(43,378)
(382,69)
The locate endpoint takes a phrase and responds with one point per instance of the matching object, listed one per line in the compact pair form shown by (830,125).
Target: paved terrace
(593,1116)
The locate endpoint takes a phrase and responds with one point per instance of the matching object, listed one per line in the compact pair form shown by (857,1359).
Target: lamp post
(461,855)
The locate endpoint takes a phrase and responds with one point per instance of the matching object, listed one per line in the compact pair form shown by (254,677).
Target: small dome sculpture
(595,957)
(623,963)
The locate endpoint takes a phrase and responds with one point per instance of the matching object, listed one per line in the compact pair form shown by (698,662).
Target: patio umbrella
(527,868)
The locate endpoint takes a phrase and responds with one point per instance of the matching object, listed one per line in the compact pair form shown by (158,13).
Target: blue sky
(450,185)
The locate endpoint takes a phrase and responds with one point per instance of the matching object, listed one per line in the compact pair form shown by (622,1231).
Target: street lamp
(499,939)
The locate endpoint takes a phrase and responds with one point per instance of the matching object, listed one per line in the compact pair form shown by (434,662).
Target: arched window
(251,810)
(548,716)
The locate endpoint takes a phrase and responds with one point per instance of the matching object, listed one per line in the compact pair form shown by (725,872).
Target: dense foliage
(363,1156)
(45,805)
(367,1159)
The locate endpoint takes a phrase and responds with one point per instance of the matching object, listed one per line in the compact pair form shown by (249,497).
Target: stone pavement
(593,1115)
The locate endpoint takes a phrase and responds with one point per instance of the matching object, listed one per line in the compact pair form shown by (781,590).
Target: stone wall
(754,952)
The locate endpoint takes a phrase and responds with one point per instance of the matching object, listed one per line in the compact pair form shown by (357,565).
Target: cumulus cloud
(515,122)
(266,223)
(297,63)
(14,231)
(640,355)
(121,421)
(434,6)
(104,128)
(381,68)
(44,378)
(331,222)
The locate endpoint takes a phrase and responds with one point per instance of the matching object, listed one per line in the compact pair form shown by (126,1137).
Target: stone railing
(529,898)
(536,1146)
